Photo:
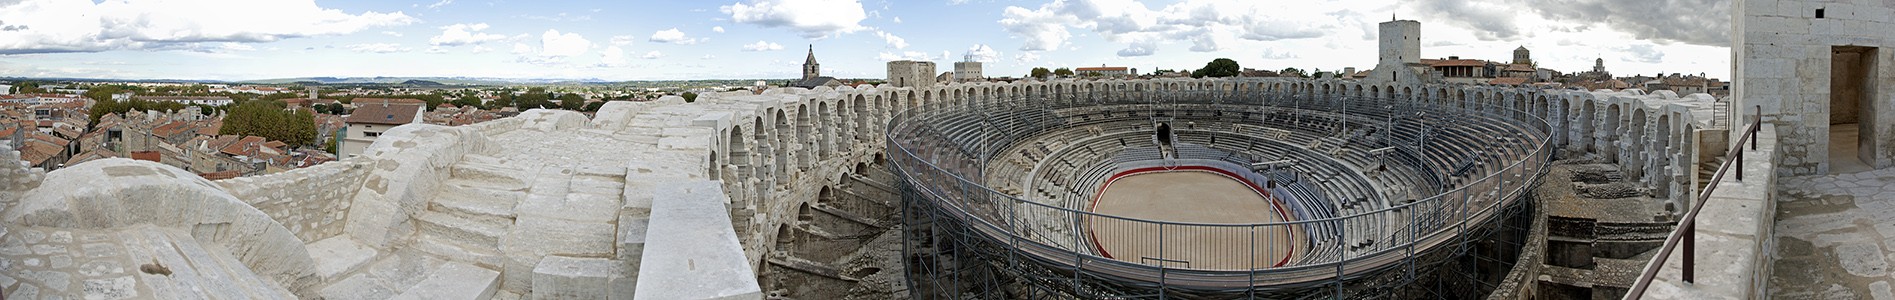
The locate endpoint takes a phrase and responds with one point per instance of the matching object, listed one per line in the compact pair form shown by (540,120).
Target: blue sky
(740,39)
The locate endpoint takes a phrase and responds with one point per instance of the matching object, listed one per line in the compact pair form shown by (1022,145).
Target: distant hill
(425,81)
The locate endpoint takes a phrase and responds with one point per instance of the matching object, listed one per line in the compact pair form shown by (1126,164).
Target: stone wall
(311,202)
(1783,65)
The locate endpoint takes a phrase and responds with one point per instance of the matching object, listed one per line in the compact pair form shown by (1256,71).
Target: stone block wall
(311,202)
(1783,65)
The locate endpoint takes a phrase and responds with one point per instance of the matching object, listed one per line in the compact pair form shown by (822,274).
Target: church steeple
(810,68)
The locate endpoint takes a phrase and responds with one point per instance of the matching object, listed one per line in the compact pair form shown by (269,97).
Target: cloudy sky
(737,39)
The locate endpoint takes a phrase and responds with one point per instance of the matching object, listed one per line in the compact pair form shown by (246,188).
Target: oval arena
(1206,192)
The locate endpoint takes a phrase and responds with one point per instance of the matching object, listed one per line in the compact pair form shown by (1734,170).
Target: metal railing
(930,150)
(1686,232)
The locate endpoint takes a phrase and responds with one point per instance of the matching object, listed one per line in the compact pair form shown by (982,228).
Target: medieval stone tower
(810,68)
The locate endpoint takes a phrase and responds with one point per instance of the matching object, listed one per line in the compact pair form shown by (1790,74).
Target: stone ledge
(691,251)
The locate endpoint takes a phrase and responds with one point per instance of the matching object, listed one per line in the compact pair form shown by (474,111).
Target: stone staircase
(472,211)
(456,252)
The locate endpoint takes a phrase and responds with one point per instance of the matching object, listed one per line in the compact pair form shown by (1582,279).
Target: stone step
(480,204)
(461,230)
(498,176)
(195,271)
(455,281)
(460,252)
(339,256)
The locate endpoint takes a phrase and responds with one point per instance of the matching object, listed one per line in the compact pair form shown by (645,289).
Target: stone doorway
(1851,92)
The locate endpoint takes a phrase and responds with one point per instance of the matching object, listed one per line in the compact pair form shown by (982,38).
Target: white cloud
(1206,24)
(392,33)
(809,18)
(436,50)
(552,43)
(983,53)
(708,57)
(717,29)
(554,48)
(672,36)
(897,20)
(905,55)
(378,48)
(1139,49)
(762,46)
(1026,57)
(464,34)
(440,4)
(622,40)
(613,56)
(653,55)
(47,26)
(478,49)
(892,40)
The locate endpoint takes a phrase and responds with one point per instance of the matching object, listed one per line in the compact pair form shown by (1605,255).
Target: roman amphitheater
(1110,189)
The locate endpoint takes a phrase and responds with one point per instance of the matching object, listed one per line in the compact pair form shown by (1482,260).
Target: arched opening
(804,131)
(825,138)
(784,155)
(1587,127)
(1164,134)
(1611,129)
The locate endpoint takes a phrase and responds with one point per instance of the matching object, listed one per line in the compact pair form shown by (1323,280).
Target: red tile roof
(395,114)
(1099,69)
(1508,81)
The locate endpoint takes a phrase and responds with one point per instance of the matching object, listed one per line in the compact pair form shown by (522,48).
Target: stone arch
(765,152)
(805,131)
(1588,127)
(1610,127)
(844,126)
(785,155)
(1375,91)
(1637,133)
(825,138)
(865,116)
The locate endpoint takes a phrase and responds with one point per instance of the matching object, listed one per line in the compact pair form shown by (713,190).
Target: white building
(6,89)
(371,120)
(203,100)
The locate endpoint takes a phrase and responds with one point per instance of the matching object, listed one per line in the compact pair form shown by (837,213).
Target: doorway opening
(1851,91)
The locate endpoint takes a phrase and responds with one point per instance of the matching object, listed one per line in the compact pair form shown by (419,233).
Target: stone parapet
(1734,234)
(311,202)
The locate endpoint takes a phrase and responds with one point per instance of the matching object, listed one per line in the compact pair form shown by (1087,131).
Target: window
(1819,13)
(371,134)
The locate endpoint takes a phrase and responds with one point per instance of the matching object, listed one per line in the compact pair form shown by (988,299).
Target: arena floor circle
(1190,195)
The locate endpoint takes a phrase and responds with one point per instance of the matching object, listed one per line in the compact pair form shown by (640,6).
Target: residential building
(371,120)
(1105,71)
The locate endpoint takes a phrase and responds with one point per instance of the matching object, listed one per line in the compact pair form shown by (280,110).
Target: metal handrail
(1686,232)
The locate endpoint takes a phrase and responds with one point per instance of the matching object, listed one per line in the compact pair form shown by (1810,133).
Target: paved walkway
(1835,236)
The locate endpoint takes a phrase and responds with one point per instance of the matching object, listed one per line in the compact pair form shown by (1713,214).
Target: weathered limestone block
(456,281)
(339,256)
(615,115)
(552,120)
(409,164)
(560,277)
(116,192)
(691,251)
(311,201)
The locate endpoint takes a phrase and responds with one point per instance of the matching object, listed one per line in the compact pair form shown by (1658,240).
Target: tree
(269,120)
(1063,72)
(1222,67)
(1039,72)
(689,97)
(466,101)
(505,100)
(534,98)
(1292,71)
(594,106)
(573,102)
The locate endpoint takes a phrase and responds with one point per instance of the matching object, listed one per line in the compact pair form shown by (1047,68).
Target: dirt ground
(1194,197)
